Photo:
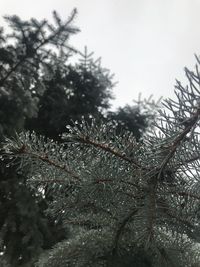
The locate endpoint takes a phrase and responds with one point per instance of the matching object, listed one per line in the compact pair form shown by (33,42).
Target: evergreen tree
(124,196)
(136,118)
(39,91)
(83,89)
(24,56)
(71,92)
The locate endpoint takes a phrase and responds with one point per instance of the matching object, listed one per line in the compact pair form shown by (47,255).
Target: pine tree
(72,91)
(24,56)
(135,118)
(39,91)
(124,196)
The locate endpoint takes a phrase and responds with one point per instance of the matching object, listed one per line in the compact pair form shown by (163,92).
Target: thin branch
(44,158)
(105,147)
(120,181)
(44,42)
(188,161)
(121,228)
(191,121)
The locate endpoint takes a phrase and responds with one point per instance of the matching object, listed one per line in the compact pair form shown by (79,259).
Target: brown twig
(108,149)
(46,159)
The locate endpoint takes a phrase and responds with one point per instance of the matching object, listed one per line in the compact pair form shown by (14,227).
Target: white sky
(146,43)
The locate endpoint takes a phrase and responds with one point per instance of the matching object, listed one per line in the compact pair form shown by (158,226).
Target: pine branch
(105,147)
(188,161)
(191,123)
(61,29)
(120,230)
(44,158)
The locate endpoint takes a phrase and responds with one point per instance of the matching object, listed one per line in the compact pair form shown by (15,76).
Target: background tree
(72,92)
(136,118)
(24,55)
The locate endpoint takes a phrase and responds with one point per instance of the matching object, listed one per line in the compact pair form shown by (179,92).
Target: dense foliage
(24,58)
(124,197)
(41,90)
(24,55)
(71,92)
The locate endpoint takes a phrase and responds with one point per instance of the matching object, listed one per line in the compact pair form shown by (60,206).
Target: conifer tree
(39,91)
(124,196)
(136,118)
(72,91)
(24,56)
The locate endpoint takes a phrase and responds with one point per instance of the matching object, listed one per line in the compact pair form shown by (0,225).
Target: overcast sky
(146,43)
